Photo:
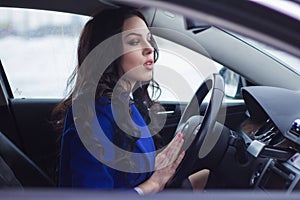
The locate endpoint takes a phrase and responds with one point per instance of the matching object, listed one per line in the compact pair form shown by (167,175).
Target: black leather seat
(17,170)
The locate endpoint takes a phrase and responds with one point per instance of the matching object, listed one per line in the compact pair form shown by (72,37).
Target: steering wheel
(199,131)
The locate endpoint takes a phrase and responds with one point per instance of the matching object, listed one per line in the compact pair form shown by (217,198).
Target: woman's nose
(148,49)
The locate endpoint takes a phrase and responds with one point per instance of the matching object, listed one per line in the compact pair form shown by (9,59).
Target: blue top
(79,168)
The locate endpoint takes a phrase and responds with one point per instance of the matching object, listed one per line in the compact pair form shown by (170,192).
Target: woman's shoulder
(102,115)
(103,112)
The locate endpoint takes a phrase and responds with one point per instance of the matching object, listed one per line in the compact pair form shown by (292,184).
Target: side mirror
(233,83)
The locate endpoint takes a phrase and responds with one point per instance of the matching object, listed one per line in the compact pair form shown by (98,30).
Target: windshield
(290,61)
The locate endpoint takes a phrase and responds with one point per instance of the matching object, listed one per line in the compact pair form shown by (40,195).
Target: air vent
(268,133)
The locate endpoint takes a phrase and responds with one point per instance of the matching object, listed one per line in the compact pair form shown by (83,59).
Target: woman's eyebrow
(136,34)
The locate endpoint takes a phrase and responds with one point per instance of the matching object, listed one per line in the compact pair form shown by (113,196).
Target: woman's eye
(133,42)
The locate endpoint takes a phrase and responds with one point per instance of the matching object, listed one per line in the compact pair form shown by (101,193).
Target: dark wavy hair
(99,28)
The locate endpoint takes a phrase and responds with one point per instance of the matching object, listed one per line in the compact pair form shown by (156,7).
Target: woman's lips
(149,64)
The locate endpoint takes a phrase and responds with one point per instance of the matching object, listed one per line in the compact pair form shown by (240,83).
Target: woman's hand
(166,163)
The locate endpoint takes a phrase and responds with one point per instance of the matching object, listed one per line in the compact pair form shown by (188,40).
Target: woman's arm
(86,170)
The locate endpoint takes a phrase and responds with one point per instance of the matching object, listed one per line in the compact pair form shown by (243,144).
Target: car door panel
(39,140)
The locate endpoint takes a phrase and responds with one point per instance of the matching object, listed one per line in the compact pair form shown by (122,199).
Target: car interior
(250,140)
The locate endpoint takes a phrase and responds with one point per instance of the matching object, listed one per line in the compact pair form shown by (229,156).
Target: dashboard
(272,131)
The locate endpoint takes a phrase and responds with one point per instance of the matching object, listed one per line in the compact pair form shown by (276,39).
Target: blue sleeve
(80,169)
(87,171)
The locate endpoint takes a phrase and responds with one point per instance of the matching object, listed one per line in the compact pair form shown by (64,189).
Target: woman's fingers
(170,154)
(175,140)
(166,169)
(179,159)
(175,148)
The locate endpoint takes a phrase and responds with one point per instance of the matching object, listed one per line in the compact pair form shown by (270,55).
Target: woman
(106,142)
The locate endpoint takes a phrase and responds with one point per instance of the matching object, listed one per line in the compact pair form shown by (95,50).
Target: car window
(38,50)
(180,71)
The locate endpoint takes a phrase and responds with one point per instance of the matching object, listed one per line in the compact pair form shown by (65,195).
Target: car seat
(18,170)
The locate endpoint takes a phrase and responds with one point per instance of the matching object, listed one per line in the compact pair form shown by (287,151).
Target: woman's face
(137,60)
